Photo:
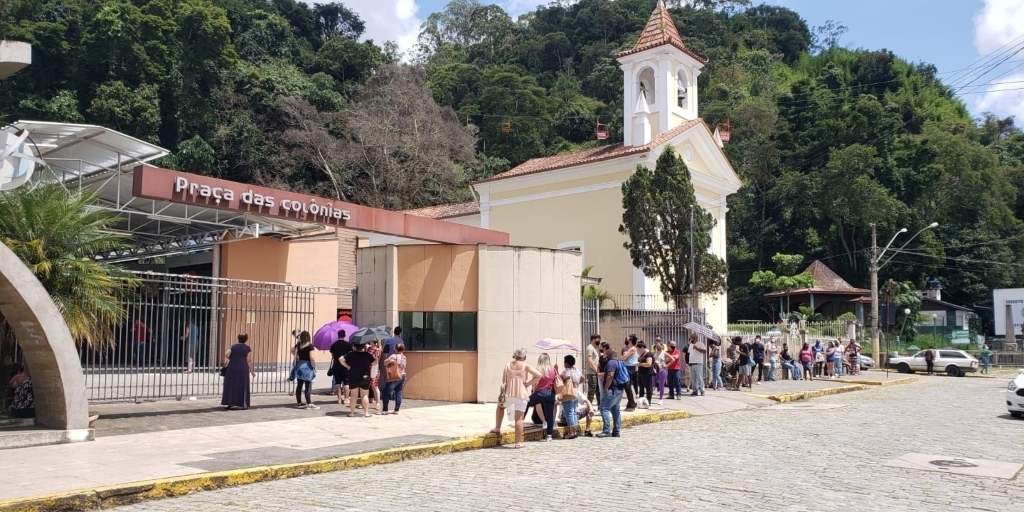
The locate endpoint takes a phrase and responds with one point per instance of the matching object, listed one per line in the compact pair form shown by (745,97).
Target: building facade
(574,201)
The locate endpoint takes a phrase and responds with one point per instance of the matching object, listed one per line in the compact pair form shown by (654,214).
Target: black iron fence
(178,328)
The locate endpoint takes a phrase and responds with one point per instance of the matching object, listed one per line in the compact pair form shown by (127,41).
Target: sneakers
(544,425)
(661,402)
(603,435)
(300,406)
(588,434)
(313,407)
(547,438)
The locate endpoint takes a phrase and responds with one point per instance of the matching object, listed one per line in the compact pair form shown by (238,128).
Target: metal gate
(590,317)
(647,316)
(178,328)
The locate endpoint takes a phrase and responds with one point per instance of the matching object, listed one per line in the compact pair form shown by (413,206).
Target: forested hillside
(827,139)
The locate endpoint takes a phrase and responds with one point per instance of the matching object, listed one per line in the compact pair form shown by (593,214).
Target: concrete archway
(57,377)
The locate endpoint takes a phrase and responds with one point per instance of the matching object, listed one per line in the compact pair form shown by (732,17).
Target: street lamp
(875,258)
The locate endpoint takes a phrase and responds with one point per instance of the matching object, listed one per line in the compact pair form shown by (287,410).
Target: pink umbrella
(556,344)
(328,334)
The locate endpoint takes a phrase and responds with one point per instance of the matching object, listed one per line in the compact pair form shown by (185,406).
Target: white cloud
(387,20)
(996,25)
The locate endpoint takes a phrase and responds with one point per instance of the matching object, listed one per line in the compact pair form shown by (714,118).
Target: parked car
(866,363)
(954,362)
(1015,395)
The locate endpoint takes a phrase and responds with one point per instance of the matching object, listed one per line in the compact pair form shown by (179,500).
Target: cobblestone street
(825,454)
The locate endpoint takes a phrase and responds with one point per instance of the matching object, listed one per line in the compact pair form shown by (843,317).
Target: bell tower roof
(660,30)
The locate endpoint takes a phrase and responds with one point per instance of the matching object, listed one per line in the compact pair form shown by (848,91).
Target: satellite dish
(17,163)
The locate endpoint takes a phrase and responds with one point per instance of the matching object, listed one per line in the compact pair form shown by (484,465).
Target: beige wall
(437,278)
(376,281)
(447,376)
(520,294)
(592,217)
(526,294)
(269,260)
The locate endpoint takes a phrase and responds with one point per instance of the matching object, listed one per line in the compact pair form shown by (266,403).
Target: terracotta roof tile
(445,211)
(660,30)
(825,281)
(550,163)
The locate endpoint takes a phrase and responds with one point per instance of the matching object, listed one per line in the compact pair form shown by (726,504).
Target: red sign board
(179,187)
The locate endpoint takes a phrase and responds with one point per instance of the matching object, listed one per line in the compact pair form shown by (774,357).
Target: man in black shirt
(757,352)
(339,372)
(358,363)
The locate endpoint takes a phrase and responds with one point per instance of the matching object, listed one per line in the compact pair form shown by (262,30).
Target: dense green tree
(660,217)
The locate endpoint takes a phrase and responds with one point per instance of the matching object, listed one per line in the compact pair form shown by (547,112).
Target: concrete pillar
(49,349)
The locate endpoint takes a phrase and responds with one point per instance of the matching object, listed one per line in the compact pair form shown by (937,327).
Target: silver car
(954,363)
(866,362)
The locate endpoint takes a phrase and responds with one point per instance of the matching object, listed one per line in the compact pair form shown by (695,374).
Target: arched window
(682,88)
(646,85)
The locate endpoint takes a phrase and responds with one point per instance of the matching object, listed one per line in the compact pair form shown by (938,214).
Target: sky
(951,34)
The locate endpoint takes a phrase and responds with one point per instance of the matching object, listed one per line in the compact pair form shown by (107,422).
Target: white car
(954,363)
(1015,395)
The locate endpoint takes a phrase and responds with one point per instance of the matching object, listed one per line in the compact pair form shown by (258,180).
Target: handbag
(501,394)
(556,384)
(393,370)
(224,371)
(568,391)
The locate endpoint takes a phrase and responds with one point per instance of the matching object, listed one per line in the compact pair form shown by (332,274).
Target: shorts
(363,383)
(515,404)
(745,369)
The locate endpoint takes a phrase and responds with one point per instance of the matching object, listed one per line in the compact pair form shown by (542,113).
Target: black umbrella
(370,334)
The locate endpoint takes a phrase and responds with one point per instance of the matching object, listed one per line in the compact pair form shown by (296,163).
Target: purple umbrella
(328,334)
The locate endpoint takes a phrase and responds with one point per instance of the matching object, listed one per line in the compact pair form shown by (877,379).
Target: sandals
(351,415)
(519,445)
(495,431)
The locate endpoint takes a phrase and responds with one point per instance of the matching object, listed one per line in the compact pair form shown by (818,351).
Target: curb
(803,395)
(884,383)
(124,494)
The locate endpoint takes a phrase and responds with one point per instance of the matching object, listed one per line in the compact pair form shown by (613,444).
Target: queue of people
(363,374)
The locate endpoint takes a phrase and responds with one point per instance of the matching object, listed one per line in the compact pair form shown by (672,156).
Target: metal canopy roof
(89,157)
(75,150)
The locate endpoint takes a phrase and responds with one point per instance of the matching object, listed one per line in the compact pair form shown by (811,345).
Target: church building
(574,200)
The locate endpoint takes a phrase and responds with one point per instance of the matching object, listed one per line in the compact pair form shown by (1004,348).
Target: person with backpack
(615,382)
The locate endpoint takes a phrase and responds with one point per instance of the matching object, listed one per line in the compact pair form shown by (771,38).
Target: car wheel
(953,371)
(903,368)
(1016,414)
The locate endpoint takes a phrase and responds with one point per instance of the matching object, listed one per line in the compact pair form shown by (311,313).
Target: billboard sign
(1012,299)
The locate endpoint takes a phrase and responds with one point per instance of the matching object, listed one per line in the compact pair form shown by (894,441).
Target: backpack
(621,375)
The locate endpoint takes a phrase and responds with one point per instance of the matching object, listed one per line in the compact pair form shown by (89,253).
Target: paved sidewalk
(149,441)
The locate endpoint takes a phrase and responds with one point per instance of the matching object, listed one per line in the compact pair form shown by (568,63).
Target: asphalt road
(829,453)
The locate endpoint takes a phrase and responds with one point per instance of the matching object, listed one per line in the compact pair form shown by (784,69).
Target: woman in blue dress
(236,378)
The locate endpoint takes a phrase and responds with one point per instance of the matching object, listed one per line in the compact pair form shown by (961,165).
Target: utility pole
(693,268)
(874,295)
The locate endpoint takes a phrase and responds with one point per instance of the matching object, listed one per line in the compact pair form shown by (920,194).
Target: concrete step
(25,437)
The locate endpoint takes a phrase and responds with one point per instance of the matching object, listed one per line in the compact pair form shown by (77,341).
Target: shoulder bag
(501,394)
(556,383)
(568,390)
(394,370)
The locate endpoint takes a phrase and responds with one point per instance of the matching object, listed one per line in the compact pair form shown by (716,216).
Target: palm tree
(56,234)
(592,292)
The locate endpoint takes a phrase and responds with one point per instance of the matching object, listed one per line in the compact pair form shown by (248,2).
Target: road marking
(959,465)
(804,406)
